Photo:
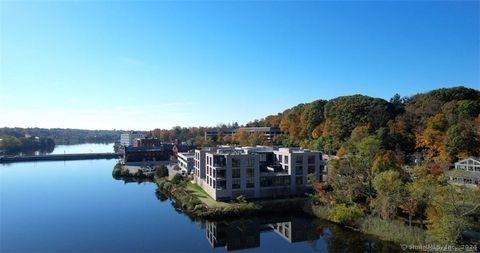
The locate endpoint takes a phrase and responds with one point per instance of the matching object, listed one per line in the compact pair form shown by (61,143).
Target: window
(235,162)
(221,173)
(213,183)
(280,158)
(250,172)
(221,184)
(236,173)
(299,170)
(236,184)
(311,159)
(299,180)
(298,160)
(250,182)
(311,168)
(251,162)
(285,159)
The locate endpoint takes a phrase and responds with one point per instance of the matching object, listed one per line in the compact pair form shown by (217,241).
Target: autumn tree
(389,188)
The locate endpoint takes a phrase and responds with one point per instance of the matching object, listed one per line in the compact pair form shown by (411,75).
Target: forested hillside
(444,124)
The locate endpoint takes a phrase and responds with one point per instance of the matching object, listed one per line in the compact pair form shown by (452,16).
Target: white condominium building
(127,139)
(256,172)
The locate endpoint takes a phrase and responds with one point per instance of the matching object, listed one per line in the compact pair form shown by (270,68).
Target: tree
(161,171)
(389,187)
(449,210)
(461,140)
(386,160)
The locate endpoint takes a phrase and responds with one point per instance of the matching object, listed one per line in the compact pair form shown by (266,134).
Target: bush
(177,179)
(161,171)
(346,215)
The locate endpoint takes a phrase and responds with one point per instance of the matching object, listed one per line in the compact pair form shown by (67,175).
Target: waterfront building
(257,172)
(466,172)
(152,155)
(127,139)
(185,161)
(145,156)
(268,132)
(147,142)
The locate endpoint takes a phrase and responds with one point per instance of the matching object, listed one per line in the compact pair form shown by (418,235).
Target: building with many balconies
(257,172)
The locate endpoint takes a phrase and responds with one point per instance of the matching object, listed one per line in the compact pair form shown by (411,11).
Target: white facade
(467,172)
(127,139)
(185,161)
(256,172)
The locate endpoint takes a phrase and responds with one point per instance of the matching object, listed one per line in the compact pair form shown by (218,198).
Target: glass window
(299,180)
(311,159)
(285,159)
(236,184)
(251,162)
(221,173)
(236,173)
(299,170)
(235,162)
(221,184)
(250,182)
(250,172)
(299,160)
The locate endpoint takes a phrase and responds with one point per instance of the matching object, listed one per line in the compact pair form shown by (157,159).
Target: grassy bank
(197,203)
(387,230)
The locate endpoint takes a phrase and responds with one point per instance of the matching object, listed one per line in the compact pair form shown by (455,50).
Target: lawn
(204,197)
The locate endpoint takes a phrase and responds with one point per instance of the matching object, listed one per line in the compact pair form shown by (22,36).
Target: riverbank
(198,204)
(393,231)
(122,171)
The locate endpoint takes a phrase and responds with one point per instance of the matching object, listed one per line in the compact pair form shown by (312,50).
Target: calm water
(76,206)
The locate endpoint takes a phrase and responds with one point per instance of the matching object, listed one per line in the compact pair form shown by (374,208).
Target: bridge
(58,157)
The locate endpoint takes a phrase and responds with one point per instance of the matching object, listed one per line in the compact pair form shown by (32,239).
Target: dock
(59,157)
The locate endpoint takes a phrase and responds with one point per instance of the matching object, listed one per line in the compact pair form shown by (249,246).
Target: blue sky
(148,64)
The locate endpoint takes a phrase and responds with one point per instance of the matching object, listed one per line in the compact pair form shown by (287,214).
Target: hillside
(444,124)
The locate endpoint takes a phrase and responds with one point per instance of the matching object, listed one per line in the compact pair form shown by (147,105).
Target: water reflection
(322,236)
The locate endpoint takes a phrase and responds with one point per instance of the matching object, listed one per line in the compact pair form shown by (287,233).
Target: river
(76,206)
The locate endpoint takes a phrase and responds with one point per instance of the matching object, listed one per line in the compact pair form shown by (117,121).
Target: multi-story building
(147,142)
(127,139)
(185,161)
(256,172)
(467,172)
(268,132)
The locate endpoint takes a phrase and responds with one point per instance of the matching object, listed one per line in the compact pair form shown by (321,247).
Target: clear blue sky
(147,64)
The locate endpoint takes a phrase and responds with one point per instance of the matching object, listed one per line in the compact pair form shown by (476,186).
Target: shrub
(161,171)
(241,199)
(177,179)
(346,215)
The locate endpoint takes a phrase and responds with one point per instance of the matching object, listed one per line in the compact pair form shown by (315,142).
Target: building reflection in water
(243,234)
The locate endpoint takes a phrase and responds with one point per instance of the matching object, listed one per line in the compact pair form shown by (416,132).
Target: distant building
(145,156)
(268,132)
(152,155)
(185,161)
(256,172)
(147,142)
(128,139)
(467,172)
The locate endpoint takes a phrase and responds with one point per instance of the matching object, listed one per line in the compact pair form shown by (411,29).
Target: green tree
(461,140)
(389,188)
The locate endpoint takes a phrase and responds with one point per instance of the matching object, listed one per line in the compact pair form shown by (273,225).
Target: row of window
(469,168)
